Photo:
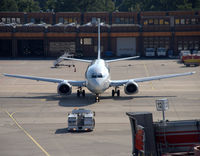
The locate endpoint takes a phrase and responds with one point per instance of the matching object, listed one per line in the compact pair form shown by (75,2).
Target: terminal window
(166,22)
(177,21)
(182,21)
(86,41)
(193,21)
(156,21)
(161,21)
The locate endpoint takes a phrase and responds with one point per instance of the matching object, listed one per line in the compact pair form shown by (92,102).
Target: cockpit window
(94,76)
(99,75)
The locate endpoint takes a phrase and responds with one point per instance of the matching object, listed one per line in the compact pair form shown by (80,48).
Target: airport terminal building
(122,34)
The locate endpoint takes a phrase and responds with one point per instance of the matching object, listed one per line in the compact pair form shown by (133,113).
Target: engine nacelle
(131,88)
(64,89)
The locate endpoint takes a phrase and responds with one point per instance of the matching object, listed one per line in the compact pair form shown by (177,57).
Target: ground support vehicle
(150,52)
(161,51)
(184,54)
(81,120)
(193,60)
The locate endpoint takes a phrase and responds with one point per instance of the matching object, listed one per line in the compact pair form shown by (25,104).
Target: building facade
(123,33)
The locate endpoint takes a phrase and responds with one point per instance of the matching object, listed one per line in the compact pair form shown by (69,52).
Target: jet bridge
(163,138)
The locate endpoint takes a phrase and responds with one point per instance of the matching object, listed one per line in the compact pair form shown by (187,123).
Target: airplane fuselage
(98,76)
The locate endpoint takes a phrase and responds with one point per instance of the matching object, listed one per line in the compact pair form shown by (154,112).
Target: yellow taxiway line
(147,73)
(20,127)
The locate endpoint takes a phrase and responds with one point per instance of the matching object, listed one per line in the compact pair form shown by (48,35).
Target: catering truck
(81,120)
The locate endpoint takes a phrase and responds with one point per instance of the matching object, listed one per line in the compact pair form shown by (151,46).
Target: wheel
(78,93)
(113,93)
(83,93)
(97,99)
(118,92)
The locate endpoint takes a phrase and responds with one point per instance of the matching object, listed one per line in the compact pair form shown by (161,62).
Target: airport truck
(161,51)
(150,52)
(81,120)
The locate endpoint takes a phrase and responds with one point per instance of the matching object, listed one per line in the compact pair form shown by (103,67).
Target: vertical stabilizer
(99,45)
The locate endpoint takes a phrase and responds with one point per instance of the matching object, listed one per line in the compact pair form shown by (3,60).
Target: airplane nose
(97,85)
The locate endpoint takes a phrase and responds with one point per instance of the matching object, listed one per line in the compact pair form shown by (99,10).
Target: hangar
(123,33)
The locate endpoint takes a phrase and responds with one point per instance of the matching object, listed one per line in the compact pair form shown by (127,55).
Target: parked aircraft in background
(97,78)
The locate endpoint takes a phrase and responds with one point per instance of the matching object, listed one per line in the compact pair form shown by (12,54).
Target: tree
(50,5)
(184,5)
(195,4)
(42,4)
(107,5)
(63,5)
(91,5)
(28,6)
(8,5)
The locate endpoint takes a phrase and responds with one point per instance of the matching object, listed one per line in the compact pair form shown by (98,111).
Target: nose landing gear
(116,91)
(97,99)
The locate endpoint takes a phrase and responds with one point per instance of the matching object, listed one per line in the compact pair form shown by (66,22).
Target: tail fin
(99,45)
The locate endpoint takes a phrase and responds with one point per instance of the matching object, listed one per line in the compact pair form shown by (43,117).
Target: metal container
(177,136)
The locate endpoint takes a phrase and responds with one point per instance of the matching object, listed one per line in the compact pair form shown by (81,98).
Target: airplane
(97,78)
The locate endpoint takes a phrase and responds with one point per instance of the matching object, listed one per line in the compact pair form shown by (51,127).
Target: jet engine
(131,88)
(64,89)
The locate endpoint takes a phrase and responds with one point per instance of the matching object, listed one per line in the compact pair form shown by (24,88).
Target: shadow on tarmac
(74,101)
(65,130)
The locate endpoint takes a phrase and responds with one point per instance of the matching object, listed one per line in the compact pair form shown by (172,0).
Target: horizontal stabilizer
(74,59)
(121,59)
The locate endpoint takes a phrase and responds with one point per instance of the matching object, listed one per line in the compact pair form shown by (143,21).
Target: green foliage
(50,5)
(8,5)
(98,5)
(185,5)
(157,5)
(28,6)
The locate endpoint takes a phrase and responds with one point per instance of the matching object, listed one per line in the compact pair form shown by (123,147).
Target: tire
(118,92)
(83,93)
(113,93)
(97,99)
(78,93)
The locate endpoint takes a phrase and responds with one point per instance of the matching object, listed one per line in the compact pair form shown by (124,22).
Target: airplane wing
(71,82)
(122,82)
(74,59)
(121,59)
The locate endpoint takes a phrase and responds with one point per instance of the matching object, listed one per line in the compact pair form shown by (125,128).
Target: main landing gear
(80,91)
(97,99)
(116,91)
